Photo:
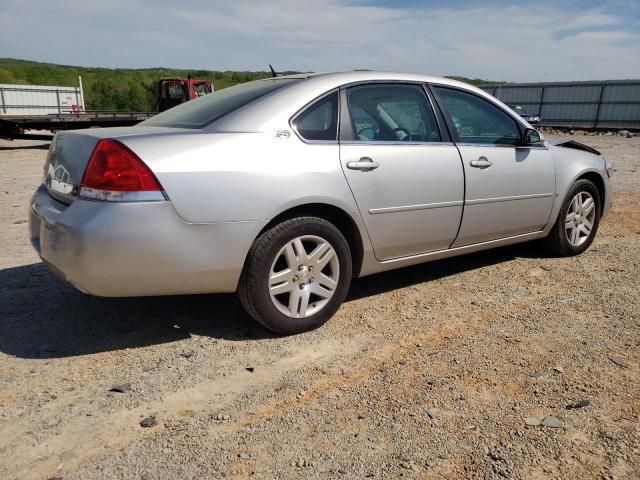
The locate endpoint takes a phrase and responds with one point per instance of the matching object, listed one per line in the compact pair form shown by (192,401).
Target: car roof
(373,75)
(279,107)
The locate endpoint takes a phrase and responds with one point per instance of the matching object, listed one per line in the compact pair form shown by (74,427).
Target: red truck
(174,91)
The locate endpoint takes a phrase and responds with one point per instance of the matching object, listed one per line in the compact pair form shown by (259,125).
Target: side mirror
(531,137)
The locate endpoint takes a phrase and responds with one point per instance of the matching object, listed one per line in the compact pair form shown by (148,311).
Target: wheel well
(597,180)
(338,217)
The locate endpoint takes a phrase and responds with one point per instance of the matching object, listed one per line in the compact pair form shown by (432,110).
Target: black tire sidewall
(267,313)
(563,244)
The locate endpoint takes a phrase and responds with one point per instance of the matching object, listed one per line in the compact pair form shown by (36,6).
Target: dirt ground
(432,371)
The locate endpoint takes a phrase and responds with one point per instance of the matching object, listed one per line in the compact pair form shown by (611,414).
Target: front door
(407,182)
(509,188)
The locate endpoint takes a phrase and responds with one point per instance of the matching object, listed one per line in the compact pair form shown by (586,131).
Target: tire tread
(249,281)
(556,239)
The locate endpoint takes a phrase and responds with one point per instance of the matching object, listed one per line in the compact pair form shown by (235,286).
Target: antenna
(273,72)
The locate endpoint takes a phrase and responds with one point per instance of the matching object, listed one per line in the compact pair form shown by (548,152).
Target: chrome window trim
(485,145)
(294,117)
(536,146)
(368,82)
(399,142)
(317,142)
(502,145)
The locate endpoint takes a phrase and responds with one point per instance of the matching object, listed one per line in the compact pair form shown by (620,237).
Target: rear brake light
(115,173)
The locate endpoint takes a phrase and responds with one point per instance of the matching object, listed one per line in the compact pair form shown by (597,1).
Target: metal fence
(597,104)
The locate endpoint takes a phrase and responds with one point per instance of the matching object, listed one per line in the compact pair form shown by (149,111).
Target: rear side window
(209,108)
(320,120)
(391,113)
(476,120)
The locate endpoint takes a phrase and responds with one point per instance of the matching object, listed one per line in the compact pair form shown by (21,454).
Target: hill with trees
(121,89)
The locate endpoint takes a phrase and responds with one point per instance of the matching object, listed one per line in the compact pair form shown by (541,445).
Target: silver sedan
(284,189)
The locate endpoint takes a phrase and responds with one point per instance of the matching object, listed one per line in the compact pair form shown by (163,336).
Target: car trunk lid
(70,152)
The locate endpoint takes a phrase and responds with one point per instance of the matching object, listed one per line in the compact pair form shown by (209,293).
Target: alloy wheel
(580,218)
(304,276)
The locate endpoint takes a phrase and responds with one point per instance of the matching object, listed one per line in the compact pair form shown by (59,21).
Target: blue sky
(535,40)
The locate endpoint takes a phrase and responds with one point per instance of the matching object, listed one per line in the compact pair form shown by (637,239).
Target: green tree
(120,89)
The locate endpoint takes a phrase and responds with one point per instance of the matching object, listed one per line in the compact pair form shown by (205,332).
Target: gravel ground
(504,364)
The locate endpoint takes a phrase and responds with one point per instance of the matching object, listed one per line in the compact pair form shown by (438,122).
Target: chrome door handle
(481,162)
(365,163)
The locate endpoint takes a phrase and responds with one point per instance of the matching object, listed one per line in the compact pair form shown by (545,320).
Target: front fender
(572,164)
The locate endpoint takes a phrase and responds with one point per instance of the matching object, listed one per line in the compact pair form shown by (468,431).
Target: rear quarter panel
(235,177)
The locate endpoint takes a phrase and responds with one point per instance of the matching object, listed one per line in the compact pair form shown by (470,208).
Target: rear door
(509,188)
(407,179)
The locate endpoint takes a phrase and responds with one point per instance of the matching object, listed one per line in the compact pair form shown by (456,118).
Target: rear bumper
(136,249)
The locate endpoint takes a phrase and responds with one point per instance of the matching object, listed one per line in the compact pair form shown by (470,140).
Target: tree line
(119,89)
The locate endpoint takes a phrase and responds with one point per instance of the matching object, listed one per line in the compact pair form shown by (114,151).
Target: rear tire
(577,221)
(297,275)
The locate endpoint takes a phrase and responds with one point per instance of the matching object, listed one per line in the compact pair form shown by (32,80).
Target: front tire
(577,221)
(297,275)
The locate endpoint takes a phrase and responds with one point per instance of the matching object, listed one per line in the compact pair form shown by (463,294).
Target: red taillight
(113,167)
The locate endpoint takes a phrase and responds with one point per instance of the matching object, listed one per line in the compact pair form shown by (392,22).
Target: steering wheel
(405,131)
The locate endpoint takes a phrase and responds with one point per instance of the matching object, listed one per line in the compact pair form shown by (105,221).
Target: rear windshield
(209,108)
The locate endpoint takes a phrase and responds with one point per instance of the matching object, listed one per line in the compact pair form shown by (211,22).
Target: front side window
(320,120)
(391,113)
(477,120)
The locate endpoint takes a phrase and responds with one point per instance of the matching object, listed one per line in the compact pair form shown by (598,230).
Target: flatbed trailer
(13,127)
(36,112)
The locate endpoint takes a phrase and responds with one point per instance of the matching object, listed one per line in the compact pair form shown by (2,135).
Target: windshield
(209,108)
